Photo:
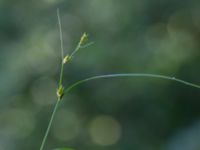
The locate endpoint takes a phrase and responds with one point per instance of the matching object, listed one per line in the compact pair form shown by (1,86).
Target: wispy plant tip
(83,43)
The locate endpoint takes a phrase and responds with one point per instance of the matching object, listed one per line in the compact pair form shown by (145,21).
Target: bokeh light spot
(67,125)
(16,123)
(104,130)
(43,91)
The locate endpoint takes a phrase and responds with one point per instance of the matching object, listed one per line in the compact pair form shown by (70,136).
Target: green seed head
(84,39)
(66,59)
(60,92)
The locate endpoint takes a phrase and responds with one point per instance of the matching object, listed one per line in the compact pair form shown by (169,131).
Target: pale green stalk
(49,126)
(131,75)
(62,49)
(59,83)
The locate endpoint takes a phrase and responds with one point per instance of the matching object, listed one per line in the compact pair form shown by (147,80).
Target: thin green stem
(60,33)
(61,46)
(49,125)
(80,46)
(61,74)
(62,49)
(76,50)
(131,75)
(60,81)
(87,45)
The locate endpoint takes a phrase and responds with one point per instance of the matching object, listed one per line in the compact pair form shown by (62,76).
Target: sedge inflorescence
(83,42)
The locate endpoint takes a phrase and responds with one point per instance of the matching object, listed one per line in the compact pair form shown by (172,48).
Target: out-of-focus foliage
(63,149)
(154,36)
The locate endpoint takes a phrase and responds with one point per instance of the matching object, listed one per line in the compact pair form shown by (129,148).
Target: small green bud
(84,39)
(66,59)
(60,92)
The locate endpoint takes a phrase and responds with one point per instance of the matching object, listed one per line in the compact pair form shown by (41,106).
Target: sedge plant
(65,59)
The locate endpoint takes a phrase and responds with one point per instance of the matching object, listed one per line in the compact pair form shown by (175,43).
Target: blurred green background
(149,36)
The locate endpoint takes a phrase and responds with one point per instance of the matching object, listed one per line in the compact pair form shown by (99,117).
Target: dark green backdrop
(149,36)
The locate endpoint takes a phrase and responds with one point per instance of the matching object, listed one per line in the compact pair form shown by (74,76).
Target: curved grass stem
(113,76)
(132,75)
